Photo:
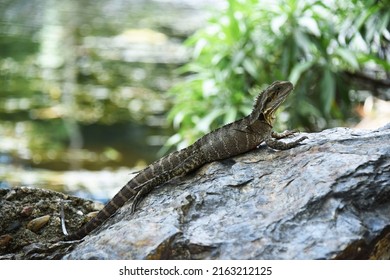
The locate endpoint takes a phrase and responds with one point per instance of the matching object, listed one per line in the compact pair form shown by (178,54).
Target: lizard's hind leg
(145,189)
(191,163)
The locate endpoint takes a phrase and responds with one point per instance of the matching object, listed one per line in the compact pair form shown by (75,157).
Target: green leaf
(298,69)
(348,57)
(278,22)
(250,67)
(364,58)
(327,91)
(234,30)
(311,25)
(200,44)
(303,41)
(384,23)
(237,58)
(178,118)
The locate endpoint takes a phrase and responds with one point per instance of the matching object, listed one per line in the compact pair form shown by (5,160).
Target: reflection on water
(83,86)
(99,185)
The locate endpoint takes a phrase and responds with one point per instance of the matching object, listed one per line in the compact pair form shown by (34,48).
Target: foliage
(254,42)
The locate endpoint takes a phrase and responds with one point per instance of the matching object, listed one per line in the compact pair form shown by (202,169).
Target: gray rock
(328,198)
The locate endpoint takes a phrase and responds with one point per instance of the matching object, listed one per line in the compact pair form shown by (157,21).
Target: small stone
(91,215)
(27,211)
(97,206)
(36,224)
(5,240)
(10,195)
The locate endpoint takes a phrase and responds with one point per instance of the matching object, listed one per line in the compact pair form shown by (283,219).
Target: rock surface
(326,199)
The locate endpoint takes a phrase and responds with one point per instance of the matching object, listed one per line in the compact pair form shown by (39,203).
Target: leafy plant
(252,43)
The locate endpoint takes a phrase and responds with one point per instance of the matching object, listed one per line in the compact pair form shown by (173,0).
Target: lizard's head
(270,99)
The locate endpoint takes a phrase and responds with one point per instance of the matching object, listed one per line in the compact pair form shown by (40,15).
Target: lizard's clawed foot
(136,201)
(301,139)
(134,205)
(284,134)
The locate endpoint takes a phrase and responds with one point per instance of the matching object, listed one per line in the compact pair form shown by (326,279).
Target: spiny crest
(259,99)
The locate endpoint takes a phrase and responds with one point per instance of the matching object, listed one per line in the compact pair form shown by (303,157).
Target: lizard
(232,139)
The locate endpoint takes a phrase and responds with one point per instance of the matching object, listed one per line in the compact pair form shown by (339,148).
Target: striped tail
(172,165)
(109,209)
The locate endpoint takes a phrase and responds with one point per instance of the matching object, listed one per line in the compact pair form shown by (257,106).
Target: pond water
(83,87)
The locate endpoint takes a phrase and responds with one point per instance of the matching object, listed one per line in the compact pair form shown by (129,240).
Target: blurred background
(92,90)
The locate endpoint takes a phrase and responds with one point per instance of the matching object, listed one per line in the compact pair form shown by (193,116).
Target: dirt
(30,221)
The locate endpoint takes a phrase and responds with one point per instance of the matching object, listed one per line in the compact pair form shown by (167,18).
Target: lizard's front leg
(279,145)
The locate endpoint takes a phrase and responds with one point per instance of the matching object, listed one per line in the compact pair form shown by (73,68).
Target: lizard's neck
(258,117)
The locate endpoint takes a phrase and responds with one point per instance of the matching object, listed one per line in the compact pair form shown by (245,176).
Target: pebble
(36,224)
(27,211)
(5,240)
(91,215)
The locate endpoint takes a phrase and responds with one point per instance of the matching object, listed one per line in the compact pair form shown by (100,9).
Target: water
(83,87)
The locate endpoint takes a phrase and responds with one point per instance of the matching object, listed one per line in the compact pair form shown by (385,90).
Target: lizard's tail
(109,209)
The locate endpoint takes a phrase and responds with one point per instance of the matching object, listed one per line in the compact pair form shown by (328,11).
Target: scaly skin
(230,140)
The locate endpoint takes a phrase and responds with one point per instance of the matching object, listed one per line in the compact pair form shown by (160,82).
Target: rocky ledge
(328,198)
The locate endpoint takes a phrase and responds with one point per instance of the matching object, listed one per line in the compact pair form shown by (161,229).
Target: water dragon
(227,141)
